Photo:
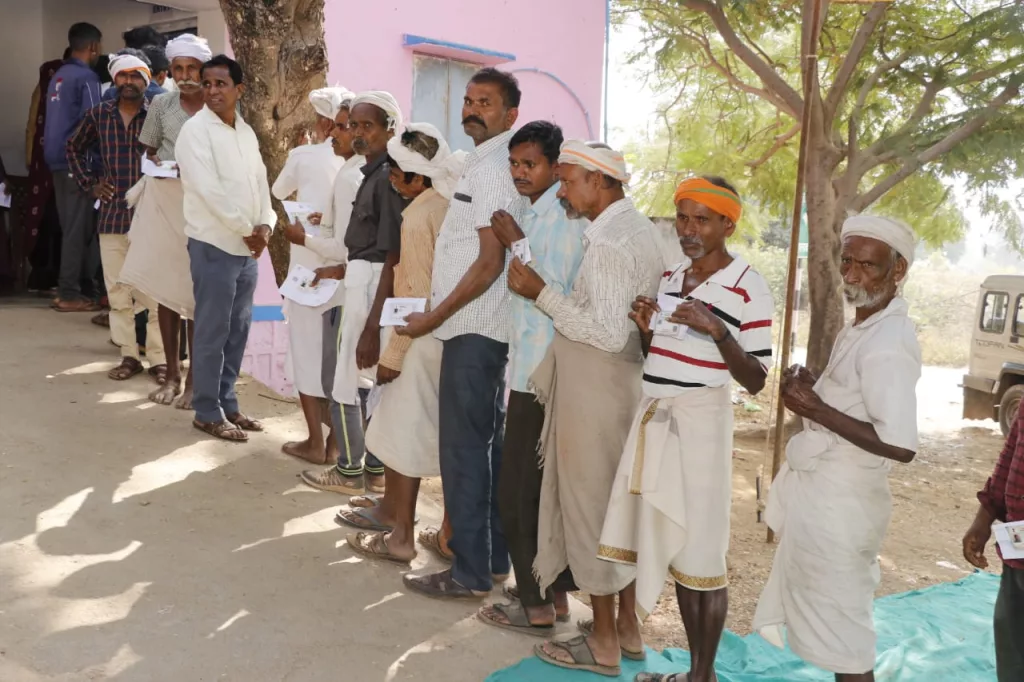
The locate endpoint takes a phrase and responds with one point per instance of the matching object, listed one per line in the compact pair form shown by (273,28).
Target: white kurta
(830,503)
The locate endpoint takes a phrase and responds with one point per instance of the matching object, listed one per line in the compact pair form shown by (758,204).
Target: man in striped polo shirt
(669,508)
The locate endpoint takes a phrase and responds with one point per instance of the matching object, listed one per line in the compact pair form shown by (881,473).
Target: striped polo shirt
(740,297)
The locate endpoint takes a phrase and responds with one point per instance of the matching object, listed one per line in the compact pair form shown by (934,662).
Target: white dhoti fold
(305,348)
(157,263)
(670,503)
(361,280)
(404,428)
(830,505)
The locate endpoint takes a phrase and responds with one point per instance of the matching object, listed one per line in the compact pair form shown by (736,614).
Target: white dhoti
(830,505)
(157,263)
(361,280)
(404,428)
(306,348)
(670,503)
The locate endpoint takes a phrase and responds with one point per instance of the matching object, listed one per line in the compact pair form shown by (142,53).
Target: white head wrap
(188,45)
(607,161)
(895,233)
(443,170)
(328,101)
(128,63)
(382,100)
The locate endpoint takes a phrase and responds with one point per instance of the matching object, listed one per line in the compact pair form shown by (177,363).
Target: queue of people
(570,387)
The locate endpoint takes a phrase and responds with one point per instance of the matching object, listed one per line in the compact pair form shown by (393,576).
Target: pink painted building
(423,52)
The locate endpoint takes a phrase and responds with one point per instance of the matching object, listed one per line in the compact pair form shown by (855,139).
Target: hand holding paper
(397,309)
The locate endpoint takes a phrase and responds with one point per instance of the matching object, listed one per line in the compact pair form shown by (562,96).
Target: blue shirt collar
(547,201)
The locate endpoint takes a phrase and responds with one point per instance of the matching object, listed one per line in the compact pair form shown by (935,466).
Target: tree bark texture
(280,45)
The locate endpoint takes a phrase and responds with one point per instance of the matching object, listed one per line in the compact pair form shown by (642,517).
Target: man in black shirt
(372,240)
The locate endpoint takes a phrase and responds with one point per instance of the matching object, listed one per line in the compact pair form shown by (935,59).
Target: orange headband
(718,199)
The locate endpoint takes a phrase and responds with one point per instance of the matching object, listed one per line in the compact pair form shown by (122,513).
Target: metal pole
(809,68)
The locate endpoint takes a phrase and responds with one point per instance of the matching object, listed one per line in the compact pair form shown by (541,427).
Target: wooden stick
(809,69)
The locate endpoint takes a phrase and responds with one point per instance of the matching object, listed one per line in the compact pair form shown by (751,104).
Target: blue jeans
(223,285)
(471,398)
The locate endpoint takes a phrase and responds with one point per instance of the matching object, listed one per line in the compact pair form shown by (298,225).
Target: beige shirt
(421,224)
(225,182)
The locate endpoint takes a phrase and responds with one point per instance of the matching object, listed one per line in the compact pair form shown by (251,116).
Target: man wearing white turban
(157,263)
(310,172)
(830,503)
(424,170)
(372,239)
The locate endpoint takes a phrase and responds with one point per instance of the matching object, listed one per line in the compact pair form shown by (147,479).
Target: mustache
(189,82)
(473,119)
(570,212)
(691,241)
(360,145)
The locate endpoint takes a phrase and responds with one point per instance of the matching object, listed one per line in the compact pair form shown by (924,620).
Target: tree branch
(780,142)
(923,108)
(773,82)
(954,138)
(860,43)
(862,98)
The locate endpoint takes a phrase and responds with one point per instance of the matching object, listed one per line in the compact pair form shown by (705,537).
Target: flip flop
(518,620)
(374,546)
(582,657)
(662,677)
(511,592)
(586,627)
(361,519)
(364,501)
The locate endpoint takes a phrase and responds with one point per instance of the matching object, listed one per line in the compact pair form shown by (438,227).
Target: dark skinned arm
(368,349)
(744,367)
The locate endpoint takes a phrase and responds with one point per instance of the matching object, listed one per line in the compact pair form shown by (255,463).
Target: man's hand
(315,218)
(103,190)
(976,538)
(800,398)
(329,272)
(644,309)
(418,324)
(295,233)
(696,316)
(368,348)
(800,373)
(523,280)
(258,240)
(385,375)
(505,228)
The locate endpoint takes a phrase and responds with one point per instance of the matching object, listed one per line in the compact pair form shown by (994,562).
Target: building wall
(21,53)
(564,37)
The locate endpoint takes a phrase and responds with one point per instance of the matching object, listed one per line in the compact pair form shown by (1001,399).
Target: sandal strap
(579,648)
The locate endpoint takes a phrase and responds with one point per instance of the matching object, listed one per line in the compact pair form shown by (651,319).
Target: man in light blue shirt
(556,249)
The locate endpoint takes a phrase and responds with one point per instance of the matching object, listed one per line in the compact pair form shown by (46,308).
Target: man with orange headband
(670,504)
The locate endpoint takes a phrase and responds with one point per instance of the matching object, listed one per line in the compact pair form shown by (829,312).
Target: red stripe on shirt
(756,324)
(739,291)
(687,359)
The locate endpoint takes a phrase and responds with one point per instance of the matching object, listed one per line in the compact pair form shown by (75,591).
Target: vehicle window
(1018,317)
(993,312)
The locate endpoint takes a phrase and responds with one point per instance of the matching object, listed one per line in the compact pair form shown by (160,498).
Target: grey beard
(697,256)
(858,296)
(570,212)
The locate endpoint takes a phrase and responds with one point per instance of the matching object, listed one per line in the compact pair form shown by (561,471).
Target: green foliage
(928,70)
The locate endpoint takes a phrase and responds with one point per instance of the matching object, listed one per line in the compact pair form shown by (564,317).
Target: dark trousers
(80,246)
(1009,626)
(519,496)
(223,285)
(471,397)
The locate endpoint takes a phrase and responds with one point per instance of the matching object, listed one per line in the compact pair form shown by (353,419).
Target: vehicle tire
(1008,407)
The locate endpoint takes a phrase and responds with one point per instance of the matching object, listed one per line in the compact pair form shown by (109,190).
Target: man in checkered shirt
(470,315)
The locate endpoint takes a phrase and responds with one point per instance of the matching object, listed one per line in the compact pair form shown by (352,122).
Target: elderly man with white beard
(830,502)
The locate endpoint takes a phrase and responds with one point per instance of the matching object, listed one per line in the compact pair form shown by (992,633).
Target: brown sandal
(221,430)
(245,423)
(128,368)
(159,374)
(374,546)
(430,538)
(440,586)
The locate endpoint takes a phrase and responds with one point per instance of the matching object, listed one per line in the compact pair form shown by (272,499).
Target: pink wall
(565,37)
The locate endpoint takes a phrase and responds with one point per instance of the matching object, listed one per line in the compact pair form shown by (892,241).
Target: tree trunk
(824,218)
(280,45)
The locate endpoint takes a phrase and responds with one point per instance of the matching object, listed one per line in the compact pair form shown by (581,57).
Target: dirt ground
(134,548)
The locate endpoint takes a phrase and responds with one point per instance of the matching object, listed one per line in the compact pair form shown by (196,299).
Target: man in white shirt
(310,173)
(470,315)
(228,220)
(830,503)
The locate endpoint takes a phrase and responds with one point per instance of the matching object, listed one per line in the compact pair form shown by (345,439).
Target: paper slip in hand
(164,169)
(299,212)
(662,326)
(298,287)
(373,400)
(521,250)
(5,199)
(1010,537)
(96,206)
(396,309)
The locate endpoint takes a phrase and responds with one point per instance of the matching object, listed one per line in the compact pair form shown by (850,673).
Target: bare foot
(165,395)
(306,450)
(185,401)
(375,483)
